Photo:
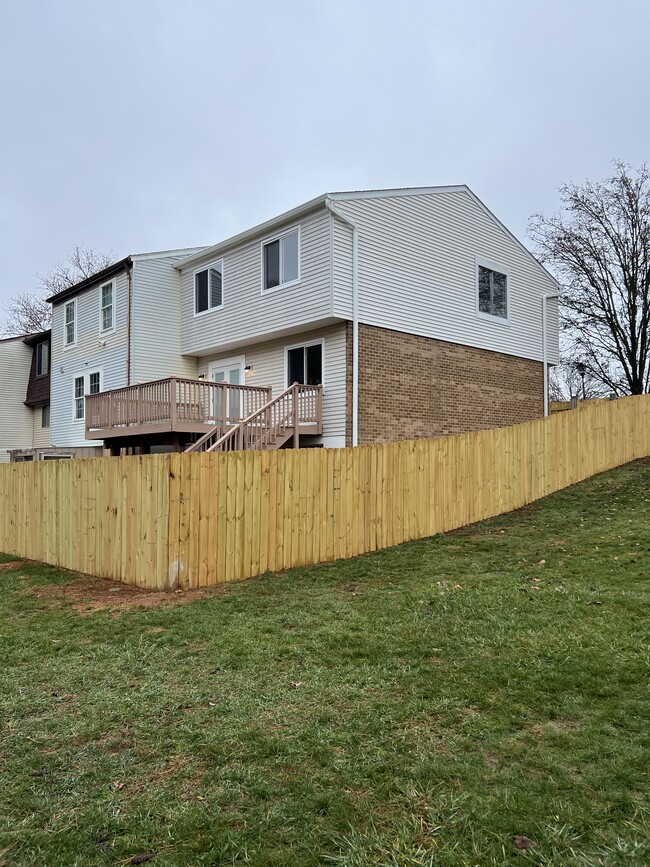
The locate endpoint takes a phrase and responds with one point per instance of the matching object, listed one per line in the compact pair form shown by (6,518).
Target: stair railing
(268,424)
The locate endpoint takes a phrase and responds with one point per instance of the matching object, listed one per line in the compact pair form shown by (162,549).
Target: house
(401,314)
(118,327)
(16,421)
(25,383)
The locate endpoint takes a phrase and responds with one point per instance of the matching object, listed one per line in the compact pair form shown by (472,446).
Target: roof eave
(109,271)
(259,229)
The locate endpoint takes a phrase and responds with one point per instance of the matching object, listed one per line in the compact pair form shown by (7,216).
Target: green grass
(420,706)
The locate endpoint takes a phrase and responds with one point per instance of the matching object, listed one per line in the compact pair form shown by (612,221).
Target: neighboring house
(405,313)
(118,327)
(25,382)
(16,419)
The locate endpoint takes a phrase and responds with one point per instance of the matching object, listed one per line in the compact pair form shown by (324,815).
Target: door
(228,402)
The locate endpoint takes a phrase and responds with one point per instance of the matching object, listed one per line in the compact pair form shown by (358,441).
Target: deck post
(296,416)
(173,406)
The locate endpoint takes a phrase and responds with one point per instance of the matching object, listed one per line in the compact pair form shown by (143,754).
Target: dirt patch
(88,595)
(14,564)
(556,725)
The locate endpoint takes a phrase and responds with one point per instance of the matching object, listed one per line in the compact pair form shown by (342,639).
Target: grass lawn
(476,698)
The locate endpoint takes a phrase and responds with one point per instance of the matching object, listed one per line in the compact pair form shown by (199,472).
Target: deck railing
(296,408)
(172,404)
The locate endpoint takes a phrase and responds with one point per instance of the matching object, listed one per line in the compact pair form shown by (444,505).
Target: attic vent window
(208,288)
(492,292)
(281,261)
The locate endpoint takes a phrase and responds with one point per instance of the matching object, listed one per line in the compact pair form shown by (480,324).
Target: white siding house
(419,252)
(419,256)
(16,419)
(418,294)
(119,327)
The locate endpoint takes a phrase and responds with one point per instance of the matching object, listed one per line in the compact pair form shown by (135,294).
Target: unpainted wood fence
(193,520)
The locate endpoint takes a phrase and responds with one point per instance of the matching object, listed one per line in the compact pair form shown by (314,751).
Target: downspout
(355,317)
(545,298)
(128,324)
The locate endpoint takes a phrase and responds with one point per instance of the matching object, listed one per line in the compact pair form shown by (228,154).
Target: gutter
(545,297)
(355,316)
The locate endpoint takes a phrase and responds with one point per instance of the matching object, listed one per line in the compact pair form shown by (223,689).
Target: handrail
(172,401)
(267,424)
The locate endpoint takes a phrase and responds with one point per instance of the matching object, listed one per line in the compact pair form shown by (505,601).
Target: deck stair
(296,412)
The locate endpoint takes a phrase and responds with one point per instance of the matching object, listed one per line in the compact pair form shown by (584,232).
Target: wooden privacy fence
(191,520)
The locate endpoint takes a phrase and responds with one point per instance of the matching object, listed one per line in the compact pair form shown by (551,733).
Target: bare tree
(29,312)
(599,247)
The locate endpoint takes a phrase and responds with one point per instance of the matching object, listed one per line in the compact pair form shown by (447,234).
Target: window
(106,310)
(208,288)
(88,384)
(45,416)
(281,260)
(492,292)
(79,400)
(70,334)
(305,364)
(42,358)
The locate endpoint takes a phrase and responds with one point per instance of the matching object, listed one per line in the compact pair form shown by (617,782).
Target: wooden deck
(223,417)
(173,405)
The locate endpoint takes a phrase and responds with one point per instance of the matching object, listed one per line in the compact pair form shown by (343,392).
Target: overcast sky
(151,124)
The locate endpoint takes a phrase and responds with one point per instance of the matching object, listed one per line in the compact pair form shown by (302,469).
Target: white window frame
(223,287)
(38,345)
(500,269)
(72,343)
(47,407)
(86,378)
(270,240)
(110,330)
(304,344)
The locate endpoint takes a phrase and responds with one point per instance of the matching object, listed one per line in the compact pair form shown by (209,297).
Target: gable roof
(351,195)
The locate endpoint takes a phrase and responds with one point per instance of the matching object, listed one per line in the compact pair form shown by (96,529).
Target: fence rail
(192,520)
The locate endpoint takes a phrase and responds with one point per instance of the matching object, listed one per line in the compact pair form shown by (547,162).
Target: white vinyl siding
(16,425)
(248,312)
(268,363)
(418,272)
(156,320)
(41,435)
(89,354)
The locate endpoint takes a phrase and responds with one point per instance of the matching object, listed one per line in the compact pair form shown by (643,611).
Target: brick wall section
(412,386)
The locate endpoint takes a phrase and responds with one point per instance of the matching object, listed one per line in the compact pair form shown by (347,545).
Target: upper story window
(107,293)
(70,326)
(42,358)
(492,292)
(281,260)
(208,288)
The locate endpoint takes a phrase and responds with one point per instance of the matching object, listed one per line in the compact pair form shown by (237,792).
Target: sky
(154,124)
